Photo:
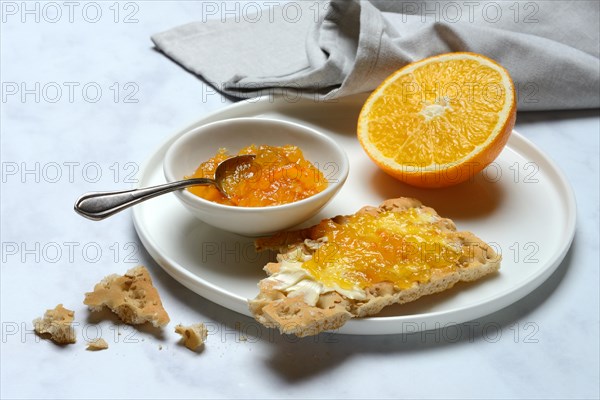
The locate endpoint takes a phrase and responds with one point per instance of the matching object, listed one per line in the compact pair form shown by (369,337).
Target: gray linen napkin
(341,47)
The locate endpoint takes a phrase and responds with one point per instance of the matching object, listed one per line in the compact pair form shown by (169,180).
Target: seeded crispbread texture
(57,324)
(132,297)
(292,315)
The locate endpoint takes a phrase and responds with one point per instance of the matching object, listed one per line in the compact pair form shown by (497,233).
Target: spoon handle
(100,205)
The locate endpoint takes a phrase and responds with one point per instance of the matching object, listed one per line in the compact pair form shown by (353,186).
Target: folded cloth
(336,48)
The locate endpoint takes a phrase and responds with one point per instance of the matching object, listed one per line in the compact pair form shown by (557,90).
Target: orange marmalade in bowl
(277,175)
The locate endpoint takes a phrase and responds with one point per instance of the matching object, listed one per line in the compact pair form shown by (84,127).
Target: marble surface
(85,103)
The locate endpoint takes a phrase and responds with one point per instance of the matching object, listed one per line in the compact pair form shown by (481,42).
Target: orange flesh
(399,247)
(467,107)
(439,121)
(278,175)
(469,111)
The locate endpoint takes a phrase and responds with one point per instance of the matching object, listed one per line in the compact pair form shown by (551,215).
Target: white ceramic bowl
(200,144)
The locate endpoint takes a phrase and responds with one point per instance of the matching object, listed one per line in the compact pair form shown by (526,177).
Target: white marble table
(85,103)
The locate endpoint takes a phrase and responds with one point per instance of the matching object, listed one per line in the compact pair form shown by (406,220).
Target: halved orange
(439,121)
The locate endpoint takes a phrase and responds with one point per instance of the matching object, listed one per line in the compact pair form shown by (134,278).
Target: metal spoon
(100,205)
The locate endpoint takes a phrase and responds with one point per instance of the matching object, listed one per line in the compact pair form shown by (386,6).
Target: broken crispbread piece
(58,324)
(353,266)
(193,336)
(96,345)
(132,297)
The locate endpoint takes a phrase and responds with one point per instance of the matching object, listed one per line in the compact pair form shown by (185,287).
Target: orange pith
(439,121)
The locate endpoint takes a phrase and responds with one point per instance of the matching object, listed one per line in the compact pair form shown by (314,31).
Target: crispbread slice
(274,308)
(132,297)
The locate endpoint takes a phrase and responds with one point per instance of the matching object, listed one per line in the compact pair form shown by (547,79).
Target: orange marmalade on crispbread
(277,175)
(402,247)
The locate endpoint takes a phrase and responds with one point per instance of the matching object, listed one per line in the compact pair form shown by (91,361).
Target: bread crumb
(193,335)
(131,296)
(98,344)
(57,324)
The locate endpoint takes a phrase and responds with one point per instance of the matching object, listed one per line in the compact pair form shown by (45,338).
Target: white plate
(522,205)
